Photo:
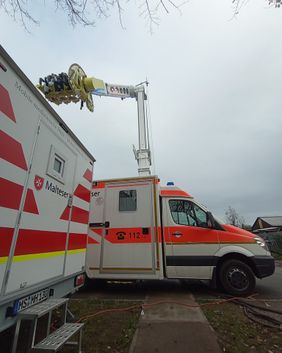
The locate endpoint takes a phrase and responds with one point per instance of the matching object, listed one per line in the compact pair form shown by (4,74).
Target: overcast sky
(214,95)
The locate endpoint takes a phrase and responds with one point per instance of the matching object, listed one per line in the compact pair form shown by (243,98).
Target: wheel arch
(235,256)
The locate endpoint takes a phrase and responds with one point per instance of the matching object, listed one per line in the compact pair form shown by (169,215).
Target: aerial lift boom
(76,86)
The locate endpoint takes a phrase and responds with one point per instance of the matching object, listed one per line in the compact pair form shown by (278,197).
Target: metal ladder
(57,339)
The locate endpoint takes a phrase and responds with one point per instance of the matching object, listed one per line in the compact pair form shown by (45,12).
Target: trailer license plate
(30,300)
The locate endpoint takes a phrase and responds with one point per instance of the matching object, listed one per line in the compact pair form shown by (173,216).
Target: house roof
(274,221)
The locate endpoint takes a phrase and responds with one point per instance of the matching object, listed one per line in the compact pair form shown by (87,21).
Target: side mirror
(210,220)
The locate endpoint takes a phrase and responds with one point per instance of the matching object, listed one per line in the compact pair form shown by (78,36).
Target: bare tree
(85,12)
(238,4)
(232,217)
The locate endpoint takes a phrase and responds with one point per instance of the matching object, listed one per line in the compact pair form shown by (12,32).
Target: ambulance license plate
(30,300)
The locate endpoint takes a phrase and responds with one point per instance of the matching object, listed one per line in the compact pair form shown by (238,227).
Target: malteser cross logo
(38,182)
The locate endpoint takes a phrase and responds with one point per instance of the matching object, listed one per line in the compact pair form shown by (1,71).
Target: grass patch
(237,334)
(111,332)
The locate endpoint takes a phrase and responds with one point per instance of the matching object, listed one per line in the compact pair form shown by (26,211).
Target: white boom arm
(76,86)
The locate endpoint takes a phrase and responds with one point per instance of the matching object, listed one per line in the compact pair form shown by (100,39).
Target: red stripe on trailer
(79,215)
(82,192)
(39,241)
(12,151)
(77,241)
(30,205)
(5,104)
(88,175)
(66,214)
(10,194)
(6,237)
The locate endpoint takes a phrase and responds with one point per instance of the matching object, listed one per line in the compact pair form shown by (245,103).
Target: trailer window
(57,165)
(127,200)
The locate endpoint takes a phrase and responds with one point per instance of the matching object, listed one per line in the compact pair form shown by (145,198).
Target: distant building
(273,223)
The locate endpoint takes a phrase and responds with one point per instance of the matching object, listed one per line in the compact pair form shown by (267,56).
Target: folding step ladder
(55,340)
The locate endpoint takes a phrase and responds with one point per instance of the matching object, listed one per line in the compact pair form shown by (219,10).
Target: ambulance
(141,231)
(45,184)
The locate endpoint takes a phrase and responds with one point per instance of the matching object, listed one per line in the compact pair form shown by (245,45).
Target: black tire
(237,278)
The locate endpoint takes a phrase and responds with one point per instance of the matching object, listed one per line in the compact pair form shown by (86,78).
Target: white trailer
(139,230)
(45,182)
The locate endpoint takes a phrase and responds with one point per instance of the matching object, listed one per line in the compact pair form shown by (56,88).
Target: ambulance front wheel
(237,278)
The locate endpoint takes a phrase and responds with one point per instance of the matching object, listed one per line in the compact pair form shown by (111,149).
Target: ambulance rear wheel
(237,278)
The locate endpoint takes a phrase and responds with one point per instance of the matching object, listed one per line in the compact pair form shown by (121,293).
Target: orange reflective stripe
(175,193)
(128,185)
(198,235)
(99,185)
(128,235)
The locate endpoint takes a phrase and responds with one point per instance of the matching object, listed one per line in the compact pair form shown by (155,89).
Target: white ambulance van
(139,230)
(45,184)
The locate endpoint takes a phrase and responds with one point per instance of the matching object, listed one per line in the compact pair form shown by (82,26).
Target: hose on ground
(256,313)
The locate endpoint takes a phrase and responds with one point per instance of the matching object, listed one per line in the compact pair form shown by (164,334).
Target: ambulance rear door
(128,242)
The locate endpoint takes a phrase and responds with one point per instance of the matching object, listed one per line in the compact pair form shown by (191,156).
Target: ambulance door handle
(177,234)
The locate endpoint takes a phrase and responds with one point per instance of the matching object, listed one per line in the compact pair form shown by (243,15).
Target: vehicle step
(58,338)
(42,308)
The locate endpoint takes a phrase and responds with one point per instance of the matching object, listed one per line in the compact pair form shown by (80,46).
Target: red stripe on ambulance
(92,241)
(12,151)
(5,104)
(98,231)
(176,193)
(128,235)
(99,185)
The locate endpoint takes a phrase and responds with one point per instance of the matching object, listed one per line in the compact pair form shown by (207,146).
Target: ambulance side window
(186,213)
(127,200)
(182,212)
(201,217)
